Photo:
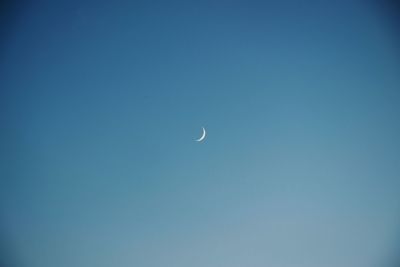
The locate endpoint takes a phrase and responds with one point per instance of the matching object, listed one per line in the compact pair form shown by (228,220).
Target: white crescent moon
(202,136)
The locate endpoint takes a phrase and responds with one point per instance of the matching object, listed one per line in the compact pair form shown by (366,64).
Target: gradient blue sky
(102,101)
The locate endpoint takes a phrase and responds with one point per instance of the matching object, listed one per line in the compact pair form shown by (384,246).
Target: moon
(202,136)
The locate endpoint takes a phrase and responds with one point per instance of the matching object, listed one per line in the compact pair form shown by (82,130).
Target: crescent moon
(202,136)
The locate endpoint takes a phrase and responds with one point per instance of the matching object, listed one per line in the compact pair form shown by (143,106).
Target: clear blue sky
(102,102)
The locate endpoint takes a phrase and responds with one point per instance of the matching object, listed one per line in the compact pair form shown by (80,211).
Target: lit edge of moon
(203,136)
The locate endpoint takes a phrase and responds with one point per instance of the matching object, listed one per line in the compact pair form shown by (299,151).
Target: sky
(101,102)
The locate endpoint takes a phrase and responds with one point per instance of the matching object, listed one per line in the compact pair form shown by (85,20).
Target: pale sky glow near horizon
(101,103)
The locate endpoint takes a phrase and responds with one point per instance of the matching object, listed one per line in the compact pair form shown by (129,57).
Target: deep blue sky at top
(102,101)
